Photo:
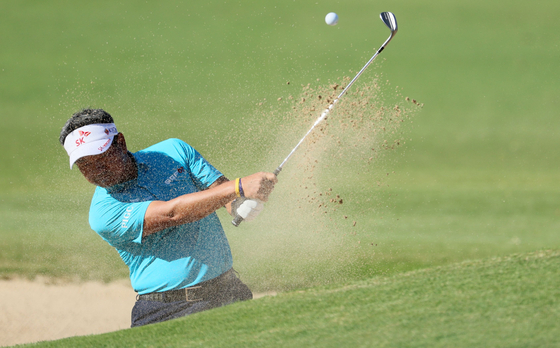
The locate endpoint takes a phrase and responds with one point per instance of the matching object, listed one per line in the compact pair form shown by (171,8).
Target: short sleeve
(117,222)
(203,173)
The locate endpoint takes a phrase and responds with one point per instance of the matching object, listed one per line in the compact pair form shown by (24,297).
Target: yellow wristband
(237,187)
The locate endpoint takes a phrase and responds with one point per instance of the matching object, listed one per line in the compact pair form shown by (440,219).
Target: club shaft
(325,113)
(390,21)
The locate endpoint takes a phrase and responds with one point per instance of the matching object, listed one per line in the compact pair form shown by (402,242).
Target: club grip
(236,221)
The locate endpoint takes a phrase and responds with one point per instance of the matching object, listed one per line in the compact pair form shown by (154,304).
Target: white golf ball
(331,18)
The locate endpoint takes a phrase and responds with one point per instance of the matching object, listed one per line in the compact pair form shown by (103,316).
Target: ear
(120,141)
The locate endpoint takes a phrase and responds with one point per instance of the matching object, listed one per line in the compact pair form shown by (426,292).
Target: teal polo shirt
(174,258)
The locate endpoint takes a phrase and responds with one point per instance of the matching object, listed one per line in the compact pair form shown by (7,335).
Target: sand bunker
(43,310)
(40,310)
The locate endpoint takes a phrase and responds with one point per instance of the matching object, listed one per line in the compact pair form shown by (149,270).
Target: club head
(390,20)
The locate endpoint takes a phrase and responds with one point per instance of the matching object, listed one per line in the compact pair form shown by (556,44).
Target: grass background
(476,177)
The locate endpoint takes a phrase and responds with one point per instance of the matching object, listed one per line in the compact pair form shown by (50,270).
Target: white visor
(93,139)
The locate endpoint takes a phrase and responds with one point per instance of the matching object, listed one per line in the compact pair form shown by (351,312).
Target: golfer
(157,207)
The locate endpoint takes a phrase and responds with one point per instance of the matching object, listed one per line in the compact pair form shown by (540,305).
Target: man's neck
(131,171)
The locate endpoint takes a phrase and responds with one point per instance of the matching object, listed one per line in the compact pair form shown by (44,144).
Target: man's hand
(259,185)
(256,189)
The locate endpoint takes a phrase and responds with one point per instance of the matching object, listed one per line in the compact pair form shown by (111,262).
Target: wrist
(239,188)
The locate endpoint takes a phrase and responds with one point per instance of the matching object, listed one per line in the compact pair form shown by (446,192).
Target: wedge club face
(390,21)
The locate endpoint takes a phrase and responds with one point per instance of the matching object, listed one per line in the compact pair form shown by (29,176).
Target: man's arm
(195,206)
(218,182)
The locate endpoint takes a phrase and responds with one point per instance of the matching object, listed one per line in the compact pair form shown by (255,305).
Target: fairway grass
(510,301)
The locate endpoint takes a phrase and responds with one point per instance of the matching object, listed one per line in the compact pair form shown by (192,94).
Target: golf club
(391,22)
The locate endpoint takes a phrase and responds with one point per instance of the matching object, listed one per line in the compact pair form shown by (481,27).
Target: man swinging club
(157,207)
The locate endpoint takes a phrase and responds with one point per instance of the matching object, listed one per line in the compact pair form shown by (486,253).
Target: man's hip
(160,306)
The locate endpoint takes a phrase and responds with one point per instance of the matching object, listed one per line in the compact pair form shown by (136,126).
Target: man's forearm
(188,208)
(220,181)
(195,206)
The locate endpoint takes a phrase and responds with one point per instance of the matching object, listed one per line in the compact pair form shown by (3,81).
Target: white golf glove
(248,209)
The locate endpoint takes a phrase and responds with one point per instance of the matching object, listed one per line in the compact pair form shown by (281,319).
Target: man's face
(106,169)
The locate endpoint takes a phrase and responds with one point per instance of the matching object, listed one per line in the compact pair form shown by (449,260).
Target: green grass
(511,301)
(475,177)
(63,247)
(420,228)
(476,174)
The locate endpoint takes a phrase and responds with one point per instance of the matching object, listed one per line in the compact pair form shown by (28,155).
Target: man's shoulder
(169,154)
(169,145)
